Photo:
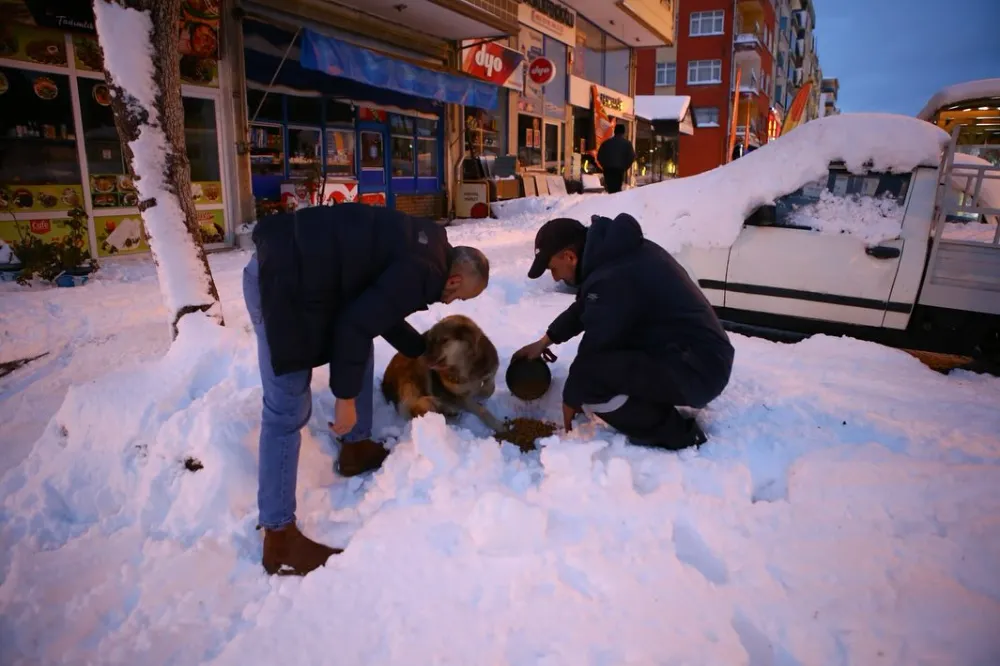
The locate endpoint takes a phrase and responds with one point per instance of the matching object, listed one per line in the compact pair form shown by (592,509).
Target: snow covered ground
(845,511)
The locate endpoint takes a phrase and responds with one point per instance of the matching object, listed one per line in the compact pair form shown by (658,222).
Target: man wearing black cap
(651,340)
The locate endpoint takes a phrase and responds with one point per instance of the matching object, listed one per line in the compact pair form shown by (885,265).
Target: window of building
(704,71)
(706,116)
(588,58)
(555,90)
(401,128)
(427,148)
(666,73)
(707,23)
(616,65)
(529,140)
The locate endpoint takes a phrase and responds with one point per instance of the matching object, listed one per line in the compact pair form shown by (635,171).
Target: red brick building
(712,44)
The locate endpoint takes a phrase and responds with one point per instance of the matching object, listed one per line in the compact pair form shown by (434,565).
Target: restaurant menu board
(120,234)
(39,198)
(198,29)
(49,231)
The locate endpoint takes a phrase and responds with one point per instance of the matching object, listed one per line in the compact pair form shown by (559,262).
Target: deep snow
(846,509)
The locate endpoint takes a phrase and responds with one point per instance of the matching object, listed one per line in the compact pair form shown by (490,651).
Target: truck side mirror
(764,216)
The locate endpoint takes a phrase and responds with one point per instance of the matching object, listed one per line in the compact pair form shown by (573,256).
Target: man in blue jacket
(651,340)
(323,284)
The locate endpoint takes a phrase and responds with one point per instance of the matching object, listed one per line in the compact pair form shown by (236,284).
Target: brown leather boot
(287,552)
(360,457)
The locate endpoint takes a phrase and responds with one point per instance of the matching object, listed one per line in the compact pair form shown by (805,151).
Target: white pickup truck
(934,285)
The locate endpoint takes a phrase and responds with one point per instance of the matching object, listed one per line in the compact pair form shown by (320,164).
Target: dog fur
(469,363)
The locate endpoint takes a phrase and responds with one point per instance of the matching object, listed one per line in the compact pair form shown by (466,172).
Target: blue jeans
(287,409)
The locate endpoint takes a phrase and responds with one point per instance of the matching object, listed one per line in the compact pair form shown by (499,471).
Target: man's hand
(568,414)
(535,350)
(344,417)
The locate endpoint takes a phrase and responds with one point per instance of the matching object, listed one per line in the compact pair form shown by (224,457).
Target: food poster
(48,231)
(199,42)
(212,224)
(21,40)
(113,191)
(87,53)
(120,234)
(209,192)
(39,198)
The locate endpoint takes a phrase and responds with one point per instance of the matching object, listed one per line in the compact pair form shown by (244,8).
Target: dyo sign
(541,71)
(490,63)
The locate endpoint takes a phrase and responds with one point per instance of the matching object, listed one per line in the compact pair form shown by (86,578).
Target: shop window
(588,58)
(340,152)
(271,109)
(555,91)
(372,152)
(37,141)
(105,156)
(304,152)
(401,130)
(201,135)
(616,65)
(427,148)
(267,150)
(529,141)
(338,113)
(304,110)
(483,132)
(704,71)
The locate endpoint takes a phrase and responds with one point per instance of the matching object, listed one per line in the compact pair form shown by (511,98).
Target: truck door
(821,256)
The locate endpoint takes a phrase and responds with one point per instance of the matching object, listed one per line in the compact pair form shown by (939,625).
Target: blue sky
(892,55)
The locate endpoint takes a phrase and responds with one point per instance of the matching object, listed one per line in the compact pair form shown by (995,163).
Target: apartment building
(829,88)
(804,62)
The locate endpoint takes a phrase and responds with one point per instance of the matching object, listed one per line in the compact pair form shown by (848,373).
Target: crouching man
(323,284)
(651,340)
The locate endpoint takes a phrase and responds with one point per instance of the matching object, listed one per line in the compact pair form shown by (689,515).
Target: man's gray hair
(470,262)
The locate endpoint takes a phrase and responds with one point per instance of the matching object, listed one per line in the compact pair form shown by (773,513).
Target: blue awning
(336,58)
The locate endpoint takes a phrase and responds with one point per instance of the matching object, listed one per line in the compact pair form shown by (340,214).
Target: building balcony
(798,51)
(800,19)
(749,41)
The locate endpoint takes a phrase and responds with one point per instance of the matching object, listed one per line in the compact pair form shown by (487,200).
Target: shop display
(340,152)
(120,234)
(39,198)
(267,150)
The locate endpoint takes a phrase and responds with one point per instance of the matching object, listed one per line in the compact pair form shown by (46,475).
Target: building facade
(829,88)
(289,102)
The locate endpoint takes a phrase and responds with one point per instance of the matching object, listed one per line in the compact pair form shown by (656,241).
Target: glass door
(373,184)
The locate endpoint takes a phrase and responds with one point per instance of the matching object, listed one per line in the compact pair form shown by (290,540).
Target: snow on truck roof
(708,210)
(958,93)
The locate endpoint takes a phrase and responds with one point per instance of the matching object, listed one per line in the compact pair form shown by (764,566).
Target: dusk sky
(892,55)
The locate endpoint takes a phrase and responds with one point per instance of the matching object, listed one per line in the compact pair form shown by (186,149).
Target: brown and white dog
(459,368)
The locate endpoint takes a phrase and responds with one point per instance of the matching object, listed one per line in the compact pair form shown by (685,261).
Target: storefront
(596,111)
(59,148)
(660,120)
(373,133)
(548,31)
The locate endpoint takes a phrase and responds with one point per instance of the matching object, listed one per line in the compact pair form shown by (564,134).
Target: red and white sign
(541,71)
(492,62)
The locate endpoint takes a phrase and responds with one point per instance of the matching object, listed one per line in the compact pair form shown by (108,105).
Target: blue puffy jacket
(633,295)
(333,278)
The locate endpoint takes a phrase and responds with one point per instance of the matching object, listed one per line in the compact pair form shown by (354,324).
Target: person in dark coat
(615,156)
(651,340)
(323,283)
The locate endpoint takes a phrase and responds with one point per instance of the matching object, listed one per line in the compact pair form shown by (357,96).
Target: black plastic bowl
(528,379)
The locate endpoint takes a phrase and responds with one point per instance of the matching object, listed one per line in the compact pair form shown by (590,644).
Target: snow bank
(960,92)
(872,219)
(126,39)
(708,210)
(843,511)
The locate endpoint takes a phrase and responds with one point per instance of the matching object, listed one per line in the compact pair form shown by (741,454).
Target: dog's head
(461,354)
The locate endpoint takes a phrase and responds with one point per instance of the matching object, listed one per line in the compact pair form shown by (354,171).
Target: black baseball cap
(554,237)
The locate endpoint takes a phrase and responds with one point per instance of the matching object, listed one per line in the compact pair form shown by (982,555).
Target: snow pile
(708,210)
(126,37)
(844,510)
(872,219)
(7,255)
(960,92)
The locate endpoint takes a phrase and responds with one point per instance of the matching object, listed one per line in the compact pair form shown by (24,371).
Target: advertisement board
(493,62)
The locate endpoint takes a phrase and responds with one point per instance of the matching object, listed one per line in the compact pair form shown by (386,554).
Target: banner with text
(493,62)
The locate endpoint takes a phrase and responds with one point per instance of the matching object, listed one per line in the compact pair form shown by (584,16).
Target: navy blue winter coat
(633,295)
(333,278)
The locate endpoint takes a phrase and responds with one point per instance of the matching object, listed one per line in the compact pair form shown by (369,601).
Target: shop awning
(337,58)
(666,109)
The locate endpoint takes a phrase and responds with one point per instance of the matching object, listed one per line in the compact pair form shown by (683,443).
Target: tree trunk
(139,41)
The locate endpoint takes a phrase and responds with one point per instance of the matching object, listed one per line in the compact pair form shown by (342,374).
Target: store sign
(495,63)
(613,102)
(552,18)
(68,15)
(541,71)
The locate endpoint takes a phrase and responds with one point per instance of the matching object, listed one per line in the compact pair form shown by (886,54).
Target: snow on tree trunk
(139,40)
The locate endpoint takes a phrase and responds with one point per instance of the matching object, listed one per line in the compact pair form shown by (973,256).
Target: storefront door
(374,167)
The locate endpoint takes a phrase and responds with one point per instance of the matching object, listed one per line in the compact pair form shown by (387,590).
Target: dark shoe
(360,457)
(287,552)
